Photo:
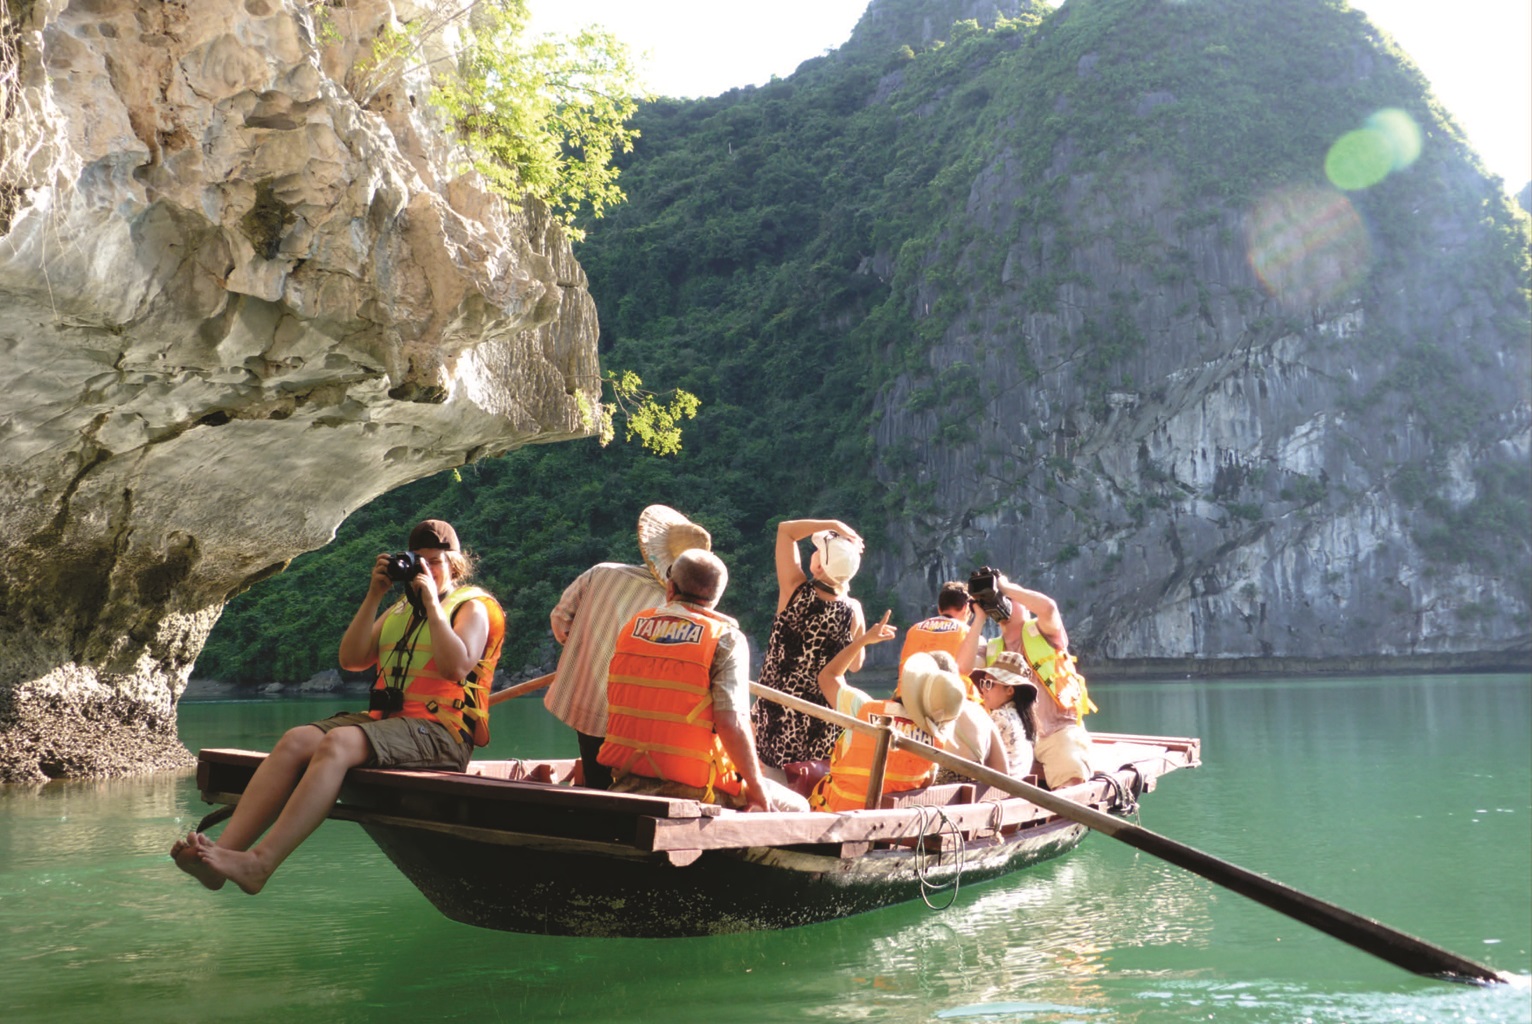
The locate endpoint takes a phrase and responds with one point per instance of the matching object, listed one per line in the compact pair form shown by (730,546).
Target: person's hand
(422,587)
(880,632)
(850,534)
(379,582)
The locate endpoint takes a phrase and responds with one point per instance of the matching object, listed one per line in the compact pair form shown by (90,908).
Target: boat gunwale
(646,825)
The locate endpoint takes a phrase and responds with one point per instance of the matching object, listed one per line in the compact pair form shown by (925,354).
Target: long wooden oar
(520,688)
(1364,933)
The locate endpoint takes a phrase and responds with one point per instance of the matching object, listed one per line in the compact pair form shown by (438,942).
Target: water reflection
(1373,793)
(1046,936)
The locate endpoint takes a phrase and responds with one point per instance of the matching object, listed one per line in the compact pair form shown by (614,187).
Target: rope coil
(928,816)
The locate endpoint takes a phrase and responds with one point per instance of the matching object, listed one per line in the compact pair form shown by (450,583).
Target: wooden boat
(492,848)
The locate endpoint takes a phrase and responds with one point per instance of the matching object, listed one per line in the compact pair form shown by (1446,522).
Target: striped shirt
(593,609)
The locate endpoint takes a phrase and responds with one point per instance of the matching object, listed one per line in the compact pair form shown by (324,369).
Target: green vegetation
(861,243)
(541,116)
(1489,531)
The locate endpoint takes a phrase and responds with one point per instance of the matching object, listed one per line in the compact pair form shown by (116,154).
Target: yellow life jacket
(659,721)
(406,662)
(1055,669)
(844,787)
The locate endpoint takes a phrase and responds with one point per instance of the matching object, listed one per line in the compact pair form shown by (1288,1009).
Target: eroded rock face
(1236,495)
(236,303)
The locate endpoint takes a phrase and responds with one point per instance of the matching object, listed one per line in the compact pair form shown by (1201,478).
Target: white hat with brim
(663,533)
(839,558)
(933,697)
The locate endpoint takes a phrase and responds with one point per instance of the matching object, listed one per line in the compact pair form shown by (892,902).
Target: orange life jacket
(844,788)
(659,720)
(406,662)
(938,633)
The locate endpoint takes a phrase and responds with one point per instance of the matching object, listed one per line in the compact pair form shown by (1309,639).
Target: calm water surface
(1406,799)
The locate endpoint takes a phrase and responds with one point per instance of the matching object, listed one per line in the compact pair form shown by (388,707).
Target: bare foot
(542,773)
(187,853)
(242,867)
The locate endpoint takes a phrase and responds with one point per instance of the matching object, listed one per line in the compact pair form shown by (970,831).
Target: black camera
(404,566)
(388,699)
(982,587)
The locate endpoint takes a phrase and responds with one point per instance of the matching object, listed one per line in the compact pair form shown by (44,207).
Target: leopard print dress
(804,637)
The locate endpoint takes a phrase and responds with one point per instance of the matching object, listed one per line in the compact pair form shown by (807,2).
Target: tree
(543,116)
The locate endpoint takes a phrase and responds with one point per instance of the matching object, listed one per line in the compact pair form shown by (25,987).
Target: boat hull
(724,891)
(495,848)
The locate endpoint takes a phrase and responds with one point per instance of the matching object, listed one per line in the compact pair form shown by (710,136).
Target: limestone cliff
(1201,317)
(1227,416)
(243,290)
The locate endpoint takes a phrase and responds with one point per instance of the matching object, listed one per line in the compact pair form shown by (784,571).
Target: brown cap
(433,533)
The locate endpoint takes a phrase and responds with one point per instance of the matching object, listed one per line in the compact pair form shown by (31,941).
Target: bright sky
(1477,54)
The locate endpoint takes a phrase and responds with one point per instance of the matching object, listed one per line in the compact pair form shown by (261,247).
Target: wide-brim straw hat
(1010,669)
(663,533)
(933,697)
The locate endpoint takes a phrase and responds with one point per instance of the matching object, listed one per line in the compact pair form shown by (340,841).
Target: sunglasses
(986,684)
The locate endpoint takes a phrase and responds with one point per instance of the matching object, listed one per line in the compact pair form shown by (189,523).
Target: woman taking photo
(434,651)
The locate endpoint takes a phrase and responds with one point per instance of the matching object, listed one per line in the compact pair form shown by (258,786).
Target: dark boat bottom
(514,888)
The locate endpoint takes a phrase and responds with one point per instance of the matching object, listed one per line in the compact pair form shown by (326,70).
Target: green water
(1405,799)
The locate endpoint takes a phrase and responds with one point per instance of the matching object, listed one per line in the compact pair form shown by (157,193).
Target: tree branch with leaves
(542,116)
(653,418)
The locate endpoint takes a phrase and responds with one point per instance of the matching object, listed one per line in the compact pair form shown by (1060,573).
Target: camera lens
(403,566)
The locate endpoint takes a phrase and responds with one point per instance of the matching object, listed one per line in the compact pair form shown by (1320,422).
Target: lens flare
(1359,159)
(1402,132)
(1389,141)
(1307,245)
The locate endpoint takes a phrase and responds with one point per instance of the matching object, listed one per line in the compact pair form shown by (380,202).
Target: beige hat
(1010,669)
(663,533)
(933,697)
(839,558)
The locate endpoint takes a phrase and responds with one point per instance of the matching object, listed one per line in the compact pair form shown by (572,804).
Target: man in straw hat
(678,696)
(933,707)
(588,616)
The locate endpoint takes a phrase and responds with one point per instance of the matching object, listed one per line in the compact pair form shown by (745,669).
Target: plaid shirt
(594,607)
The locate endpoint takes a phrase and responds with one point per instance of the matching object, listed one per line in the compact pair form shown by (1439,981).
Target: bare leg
(187,853)
(268,789)
(341,750)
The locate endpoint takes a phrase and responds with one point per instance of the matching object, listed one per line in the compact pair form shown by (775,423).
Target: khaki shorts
(404,742)
(1064,755)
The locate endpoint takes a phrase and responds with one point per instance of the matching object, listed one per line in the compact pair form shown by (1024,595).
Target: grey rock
(1208,467)
(243,290)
